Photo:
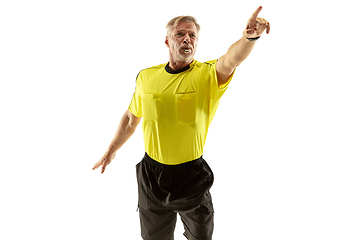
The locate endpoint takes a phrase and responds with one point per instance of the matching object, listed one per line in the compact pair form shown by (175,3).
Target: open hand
(104,161)
(256,26)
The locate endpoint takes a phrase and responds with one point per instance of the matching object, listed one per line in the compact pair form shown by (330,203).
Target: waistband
(155,163)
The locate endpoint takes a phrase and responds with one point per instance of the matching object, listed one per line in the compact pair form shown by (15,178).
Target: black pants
(165,190)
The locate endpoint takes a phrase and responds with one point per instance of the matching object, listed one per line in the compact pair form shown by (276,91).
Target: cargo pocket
(186,107)
(208,202)
(150,106)
(142,189)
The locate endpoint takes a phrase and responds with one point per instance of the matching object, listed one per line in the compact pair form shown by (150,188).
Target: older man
(178,101)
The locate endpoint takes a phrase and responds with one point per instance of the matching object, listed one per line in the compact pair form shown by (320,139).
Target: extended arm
(126,129)
(240,50)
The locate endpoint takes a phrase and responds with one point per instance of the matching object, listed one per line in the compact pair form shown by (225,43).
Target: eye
(192,35)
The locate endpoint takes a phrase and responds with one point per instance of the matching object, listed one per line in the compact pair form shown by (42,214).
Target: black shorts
(165,190)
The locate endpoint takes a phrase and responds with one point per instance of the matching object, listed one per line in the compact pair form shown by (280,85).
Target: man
(178,101)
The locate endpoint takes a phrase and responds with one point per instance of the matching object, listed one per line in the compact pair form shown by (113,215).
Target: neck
(177,65)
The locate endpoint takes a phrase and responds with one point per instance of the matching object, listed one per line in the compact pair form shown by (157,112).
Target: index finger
(256,13)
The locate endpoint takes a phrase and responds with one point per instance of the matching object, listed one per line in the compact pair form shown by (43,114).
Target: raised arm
(240,50)
(126,129)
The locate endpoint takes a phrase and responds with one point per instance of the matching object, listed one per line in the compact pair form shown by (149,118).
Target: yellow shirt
(177,108)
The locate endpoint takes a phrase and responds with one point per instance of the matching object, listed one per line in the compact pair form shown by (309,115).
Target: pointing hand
(256,26)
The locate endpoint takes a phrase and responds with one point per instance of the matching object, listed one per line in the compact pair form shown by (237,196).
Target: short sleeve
(135,106)
(219,90)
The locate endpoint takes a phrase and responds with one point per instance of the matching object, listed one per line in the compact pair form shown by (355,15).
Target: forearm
(238,52)
(125,130)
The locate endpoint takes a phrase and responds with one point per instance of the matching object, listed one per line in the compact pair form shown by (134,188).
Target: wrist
(252,39)
(112,148)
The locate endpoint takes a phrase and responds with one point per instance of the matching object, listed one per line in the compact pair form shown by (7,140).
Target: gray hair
(175,21)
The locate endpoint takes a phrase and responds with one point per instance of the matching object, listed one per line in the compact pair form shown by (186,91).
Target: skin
(241,49)
(185,36)
(126,129)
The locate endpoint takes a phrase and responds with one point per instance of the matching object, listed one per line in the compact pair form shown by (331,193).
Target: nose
(186,38)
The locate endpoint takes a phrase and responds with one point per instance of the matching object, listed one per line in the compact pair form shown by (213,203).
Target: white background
(284,145)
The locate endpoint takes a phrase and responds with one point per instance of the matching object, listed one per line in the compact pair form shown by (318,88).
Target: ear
(167,41)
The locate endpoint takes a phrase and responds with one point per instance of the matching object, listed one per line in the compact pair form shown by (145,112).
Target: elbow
(233,61)
(133,121)
(226,65)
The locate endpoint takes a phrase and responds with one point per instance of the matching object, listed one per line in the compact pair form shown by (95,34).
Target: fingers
(253,19)
(96,165)
(258,28)
(256,13)
(100,163)
(106,162)
(268,28)
(262,24)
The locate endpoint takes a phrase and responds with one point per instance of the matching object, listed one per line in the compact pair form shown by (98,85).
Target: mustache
(186,46)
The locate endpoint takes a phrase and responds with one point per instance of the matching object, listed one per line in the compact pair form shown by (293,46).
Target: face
(182,42)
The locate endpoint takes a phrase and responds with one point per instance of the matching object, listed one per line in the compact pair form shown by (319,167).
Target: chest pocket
(186,107)
(150,108)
